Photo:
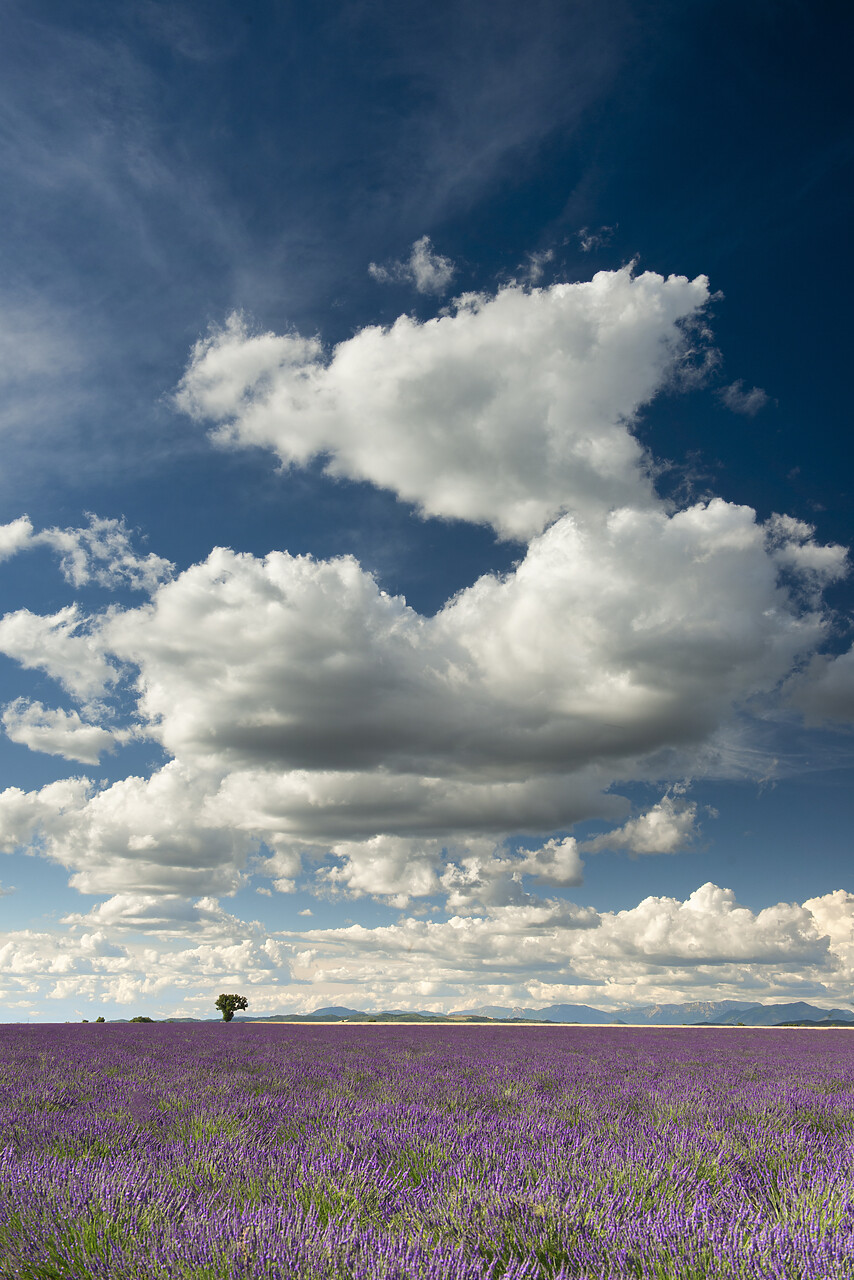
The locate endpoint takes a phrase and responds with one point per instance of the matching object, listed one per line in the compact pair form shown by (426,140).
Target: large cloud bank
(320,732)
(664,949)
(304,708)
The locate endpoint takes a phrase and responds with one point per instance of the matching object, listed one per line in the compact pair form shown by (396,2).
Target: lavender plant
(463,1153)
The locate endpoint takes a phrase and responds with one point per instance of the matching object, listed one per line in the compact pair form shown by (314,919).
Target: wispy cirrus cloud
(427,270)
(744,400)
(590,240)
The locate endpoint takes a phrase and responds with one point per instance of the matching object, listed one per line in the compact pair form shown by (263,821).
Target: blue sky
(425,505)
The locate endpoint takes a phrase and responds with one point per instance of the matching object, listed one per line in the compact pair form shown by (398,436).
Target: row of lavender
(387,1152)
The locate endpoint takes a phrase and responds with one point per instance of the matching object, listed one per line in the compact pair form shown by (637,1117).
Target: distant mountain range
(769,1015)
(697,1012)
(718,1013)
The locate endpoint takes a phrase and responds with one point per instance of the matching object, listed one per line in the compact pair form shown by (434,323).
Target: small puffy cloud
(508,410)
(385,866)
(792,544)
(15,537)
(495,878)
(668,827)
(286,863)
(833,914)
(102,552)
(741,400)
(710,925)
(57,732)
(251,959)
(6,890)
(477,870)
(557,863)
(27,953)
(66,645)
(426,269)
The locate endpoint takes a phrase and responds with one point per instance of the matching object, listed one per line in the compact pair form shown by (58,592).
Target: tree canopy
(229,1004)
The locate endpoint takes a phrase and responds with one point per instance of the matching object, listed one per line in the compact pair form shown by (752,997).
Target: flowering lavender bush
(464,1153)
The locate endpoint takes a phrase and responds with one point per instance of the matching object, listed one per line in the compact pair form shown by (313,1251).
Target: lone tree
(229,1004)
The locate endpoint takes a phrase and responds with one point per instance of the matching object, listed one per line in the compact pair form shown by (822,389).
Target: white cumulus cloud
(528,953)
(668,827)
(705,947)
(103,553)
(57,732)
(67,645)
(508,411)
(141,835)
(305,708)
(495,878)
(15,536)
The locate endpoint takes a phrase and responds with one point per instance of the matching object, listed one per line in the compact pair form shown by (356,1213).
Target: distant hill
(659,1015)
(718,1013)
(826,1022)
(332,1013)
(650,1014)
(413,1013)
(552,1013)
(573,1013)
(498,1011)
(694,1013)
(769,1015)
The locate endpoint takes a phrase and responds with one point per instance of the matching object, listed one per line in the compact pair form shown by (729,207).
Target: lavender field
(212,1150)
